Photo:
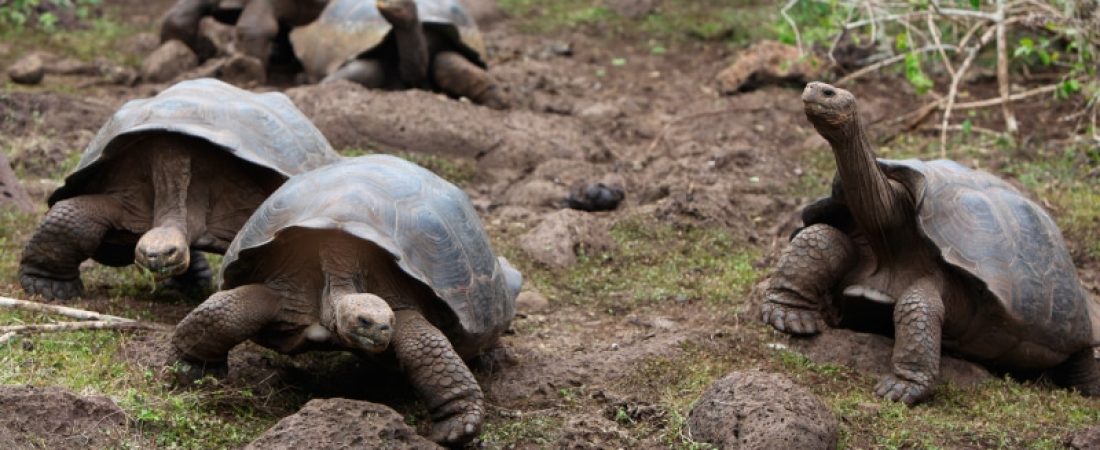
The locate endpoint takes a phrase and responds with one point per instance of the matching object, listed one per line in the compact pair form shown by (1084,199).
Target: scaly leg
(440,377)
(1081,372)
(918,323)
(201,343)
(808,270)
(71,233)
(457,76)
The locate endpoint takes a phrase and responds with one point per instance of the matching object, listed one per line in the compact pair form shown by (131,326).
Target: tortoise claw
(52,289)
(791,320)
(899,390)
(459,428)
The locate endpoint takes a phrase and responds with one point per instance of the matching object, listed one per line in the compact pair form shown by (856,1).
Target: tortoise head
(164,251)
(831,110)
(363,321)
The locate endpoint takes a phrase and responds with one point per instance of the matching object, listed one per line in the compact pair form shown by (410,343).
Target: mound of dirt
(52,417)
(756,409)
(871,353)
(351,116)
(11,190)
(768,62)
(556,240)
(342,423)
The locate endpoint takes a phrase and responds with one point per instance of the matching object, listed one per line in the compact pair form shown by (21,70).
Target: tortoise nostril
(383,327)
(365,322)
(170,252)
(828,92)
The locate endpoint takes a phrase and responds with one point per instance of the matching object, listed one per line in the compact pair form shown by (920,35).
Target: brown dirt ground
(686,156)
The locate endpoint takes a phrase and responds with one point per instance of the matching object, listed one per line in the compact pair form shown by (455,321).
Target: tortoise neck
(875,204)
(171,178)
(340,269)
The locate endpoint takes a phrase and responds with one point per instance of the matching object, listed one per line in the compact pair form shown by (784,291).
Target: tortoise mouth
(163,271)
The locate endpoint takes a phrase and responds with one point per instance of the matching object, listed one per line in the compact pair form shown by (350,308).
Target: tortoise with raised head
(167,178)
(960,259)
(399,44)
(373,255)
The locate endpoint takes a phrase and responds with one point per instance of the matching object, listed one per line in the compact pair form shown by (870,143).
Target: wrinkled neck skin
(171,176)
(878,205)
(339,266)
(360,321)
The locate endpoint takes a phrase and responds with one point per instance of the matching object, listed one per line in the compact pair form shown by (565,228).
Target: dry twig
(89,325)
(6,302)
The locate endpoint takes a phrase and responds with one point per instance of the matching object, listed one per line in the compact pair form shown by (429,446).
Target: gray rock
(341,423)
(761,410)
(556,240)
(1084,439)
(871,353)
(29,69)
(215,39)
(168,61)
(529,302)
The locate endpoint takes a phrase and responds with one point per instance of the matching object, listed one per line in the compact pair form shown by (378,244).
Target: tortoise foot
(458,428)
(792,320)
(896,389)
(399,13)
(50,288)
(185,373)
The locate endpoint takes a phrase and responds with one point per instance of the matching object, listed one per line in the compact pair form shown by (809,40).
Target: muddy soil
(657,126)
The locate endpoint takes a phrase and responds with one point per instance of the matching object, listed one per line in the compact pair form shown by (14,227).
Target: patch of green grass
(735,21)
(15,229)
(98,39)
(655,262)
(89,363)
(1069,182)
(534,430)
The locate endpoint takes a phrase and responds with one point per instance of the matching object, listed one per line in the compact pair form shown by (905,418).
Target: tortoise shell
(263,129)
(426,223)
(988,230)
(348,29)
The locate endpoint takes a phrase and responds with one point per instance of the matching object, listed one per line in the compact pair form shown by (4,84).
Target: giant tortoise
(400,44)
(958,258)
(257,22)
(373,255)
(167,177)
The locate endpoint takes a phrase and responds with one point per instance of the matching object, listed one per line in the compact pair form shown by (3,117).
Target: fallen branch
(90,325)
(1011,98)
(7,337)
(891,60)
(6,302)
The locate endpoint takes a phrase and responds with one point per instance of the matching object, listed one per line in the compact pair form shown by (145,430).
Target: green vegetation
(43,14)
(655,262)
(734,21)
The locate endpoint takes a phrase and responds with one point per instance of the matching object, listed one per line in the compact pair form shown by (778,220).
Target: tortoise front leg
(256,30)
(440,377)
(412,46)
(199,275)
(1081,372)
(70,234)
(918,324)
(182,21)
(457,76)
(808,270)
(203,339)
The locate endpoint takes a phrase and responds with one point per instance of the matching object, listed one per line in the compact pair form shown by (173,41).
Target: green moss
(534,430)
(655,262)
(737,21)
(99,39)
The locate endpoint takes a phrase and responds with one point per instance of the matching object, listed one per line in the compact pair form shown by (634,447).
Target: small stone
(28,70)
(529,302)
(755,409)
(168,61)
(1084,439)
(342,423)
